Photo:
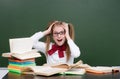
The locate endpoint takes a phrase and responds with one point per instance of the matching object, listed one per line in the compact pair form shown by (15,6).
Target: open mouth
(59,40)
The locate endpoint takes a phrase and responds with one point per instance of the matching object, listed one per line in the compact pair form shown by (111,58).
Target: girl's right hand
(48,31)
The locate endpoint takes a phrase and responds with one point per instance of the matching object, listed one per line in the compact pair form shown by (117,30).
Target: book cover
(20,45)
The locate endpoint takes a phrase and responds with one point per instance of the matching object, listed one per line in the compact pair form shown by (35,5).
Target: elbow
(76,53)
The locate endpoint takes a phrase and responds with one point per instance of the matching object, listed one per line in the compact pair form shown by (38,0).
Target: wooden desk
(86,76)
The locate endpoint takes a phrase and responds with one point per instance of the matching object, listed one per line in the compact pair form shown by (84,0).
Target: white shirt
(54,58)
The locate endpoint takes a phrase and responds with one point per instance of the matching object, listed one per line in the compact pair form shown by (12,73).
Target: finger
(54,23)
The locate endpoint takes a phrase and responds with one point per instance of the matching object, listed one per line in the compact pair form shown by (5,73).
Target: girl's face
(59,35)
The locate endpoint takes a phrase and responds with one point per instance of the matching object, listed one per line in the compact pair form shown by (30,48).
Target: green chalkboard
(96,23)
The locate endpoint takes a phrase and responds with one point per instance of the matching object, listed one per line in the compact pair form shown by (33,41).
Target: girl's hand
(48,31)
(66,30)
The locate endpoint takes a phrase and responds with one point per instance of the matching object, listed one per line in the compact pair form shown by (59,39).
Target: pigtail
(71,33)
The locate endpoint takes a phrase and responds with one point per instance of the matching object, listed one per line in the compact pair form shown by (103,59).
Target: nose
(59,35)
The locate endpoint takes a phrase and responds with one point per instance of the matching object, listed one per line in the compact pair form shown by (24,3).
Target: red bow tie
(59,48)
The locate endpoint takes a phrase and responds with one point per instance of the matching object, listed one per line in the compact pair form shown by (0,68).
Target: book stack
(21,54)
(17,61)
(15,64)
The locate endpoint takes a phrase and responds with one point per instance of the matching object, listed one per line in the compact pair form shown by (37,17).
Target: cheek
(64,39)
(54,38)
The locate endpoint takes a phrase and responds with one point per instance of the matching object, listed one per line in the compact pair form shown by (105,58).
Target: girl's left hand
(66,30)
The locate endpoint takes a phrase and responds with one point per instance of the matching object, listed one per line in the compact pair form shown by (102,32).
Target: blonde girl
(59,46)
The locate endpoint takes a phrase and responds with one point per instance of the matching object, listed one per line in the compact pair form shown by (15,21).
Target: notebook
(20,45)
(3,72)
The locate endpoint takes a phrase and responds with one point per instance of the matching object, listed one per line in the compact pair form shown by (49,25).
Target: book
(17,68)
(65,65)
(7,55)
(15,64)
(99,69)
(23,56)
(42,70)
(48,70)
(20,45)
(102,69)
(74,71)
(17,60)
(3,72)
(21,48)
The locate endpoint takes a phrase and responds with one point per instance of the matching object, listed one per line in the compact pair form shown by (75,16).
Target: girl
(62,48)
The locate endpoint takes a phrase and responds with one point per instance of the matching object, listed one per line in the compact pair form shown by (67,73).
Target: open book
(102,69)
(48,70)
(21,48)
(42,70)
(20,45)
(99,69)
(23,56)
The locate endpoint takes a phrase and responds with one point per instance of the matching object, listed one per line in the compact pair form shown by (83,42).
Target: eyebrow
(59,31)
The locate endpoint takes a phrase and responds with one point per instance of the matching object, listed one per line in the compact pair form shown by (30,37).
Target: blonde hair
(48,37)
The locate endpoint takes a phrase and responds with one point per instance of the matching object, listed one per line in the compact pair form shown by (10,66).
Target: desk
(86,76)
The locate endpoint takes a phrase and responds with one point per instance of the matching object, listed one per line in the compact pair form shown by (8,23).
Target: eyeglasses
(57,33)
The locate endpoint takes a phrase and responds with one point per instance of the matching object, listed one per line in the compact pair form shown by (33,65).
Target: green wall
(96,23)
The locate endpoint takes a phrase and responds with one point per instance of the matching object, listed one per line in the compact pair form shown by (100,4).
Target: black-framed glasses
(58,33)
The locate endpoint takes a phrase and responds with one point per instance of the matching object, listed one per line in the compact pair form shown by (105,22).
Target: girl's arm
(41,46)
(75,51)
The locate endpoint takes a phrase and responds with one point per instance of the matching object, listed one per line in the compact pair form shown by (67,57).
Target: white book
(20,45)
(3,72)
(21,48)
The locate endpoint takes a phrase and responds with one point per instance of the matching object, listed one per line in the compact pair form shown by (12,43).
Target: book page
(27,55)
(20,45)
(44,70)
(47,69)
(75,71)
(100,69)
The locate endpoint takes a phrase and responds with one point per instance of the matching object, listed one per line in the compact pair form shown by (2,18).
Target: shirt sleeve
(75,51)
(41,46)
